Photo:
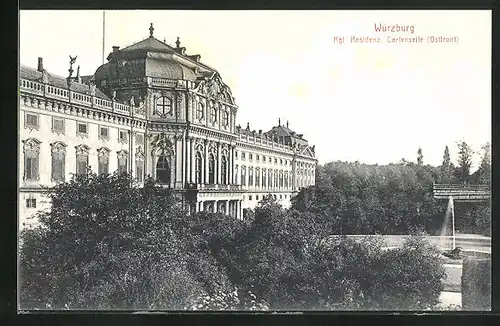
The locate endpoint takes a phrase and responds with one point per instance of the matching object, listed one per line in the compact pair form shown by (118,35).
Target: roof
(281,130)
(150,44)
(33,74)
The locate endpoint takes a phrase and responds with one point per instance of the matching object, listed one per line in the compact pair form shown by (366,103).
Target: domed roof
(147,58)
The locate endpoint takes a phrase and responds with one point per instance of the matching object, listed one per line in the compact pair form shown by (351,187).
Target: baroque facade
(153,110)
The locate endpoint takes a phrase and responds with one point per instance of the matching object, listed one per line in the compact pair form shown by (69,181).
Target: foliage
(476,284)
(390,199)
(464,162)
(107,244)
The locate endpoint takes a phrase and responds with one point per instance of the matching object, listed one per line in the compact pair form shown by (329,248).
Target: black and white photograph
(254,161)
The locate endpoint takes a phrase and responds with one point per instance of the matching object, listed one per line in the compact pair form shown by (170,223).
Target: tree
(465,154)
(107,244)
(420,157)
(446,167)
(483,174)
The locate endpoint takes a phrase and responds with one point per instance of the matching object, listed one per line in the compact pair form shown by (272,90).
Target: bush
(476,284)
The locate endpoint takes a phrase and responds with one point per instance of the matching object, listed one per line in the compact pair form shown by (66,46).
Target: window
(243,155)
(163,106)
(199,111)
(211,169)
(213,115)
(286,179)
(225,118)
(103,160)
(281,161)
(31,120)
(82,159)
(163,170)
(236,154)
(223,170)
(81,128)
(243,176)
(139,170)
(57,125)
(281,197)
(256,197)
(122,136)
(58,161)
(31,159)
(275,160)
(250,156)
(270,179)
(30,202)
(257,157)
(139,139)
(250,176)
(122,162)
(250,197)
(236,169)
(281,179)
(198,167)
(264,174)
(257,177)
(104,132)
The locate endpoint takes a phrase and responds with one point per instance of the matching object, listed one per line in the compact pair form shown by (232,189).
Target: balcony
(219,187)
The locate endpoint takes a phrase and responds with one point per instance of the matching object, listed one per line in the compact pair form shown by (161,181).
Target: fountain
(449,216)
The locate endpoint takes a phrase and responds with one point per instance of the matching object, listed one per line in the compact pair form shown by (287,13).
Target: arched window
(243,175)
(122,162)
(163,170)
(270,179)
(58,160)
(250,176)
(198,167)
(211,169)
(103,157)
(82,159)
(225,118)
(31,159)
(223,170)
(213,115)
(199,111)
(163,106)
(139,164)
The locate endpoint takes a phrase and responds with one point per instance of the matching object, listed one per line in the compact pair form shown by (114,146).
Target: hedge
(476,284)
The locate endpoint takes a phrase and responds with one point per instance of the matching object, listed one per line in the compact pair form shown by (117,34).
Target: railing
(74,97)
(462,193)
(219,187)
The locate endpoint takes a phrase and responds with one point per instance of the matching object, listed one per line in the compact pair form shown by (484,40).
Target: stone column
(187,161)
(230,166)
(218,176)
(226,210)
(205,165)
(179,160)
(192,160)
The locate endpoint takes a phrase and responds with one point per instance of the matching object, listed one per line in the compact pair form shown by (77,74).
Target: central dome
(151,58)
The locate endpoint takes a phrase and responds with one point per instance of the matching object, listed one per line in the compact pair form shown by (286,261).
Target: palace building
(153,110)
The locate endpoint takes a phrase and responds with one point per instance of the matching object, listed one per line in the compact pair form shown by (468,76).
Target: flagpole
(103,32)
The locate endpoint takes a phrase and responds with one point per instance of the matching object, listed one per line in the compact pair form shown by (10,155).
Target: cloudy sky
(372,103)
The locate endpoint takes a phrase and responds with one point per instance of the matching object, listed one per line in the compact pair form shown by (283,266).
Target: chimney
(116,48)
(78,78)
(287,123)
(40,64)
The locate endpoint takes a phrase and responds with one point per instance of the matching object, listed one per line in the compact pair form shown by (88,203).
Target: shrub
(476,284)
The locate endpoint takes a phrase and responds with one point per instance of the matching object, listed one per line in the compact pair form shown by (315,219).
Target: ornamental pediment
(214,88)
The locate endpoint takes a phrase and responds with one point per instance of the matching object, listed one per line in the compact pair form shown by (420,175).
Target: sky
(375,103)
